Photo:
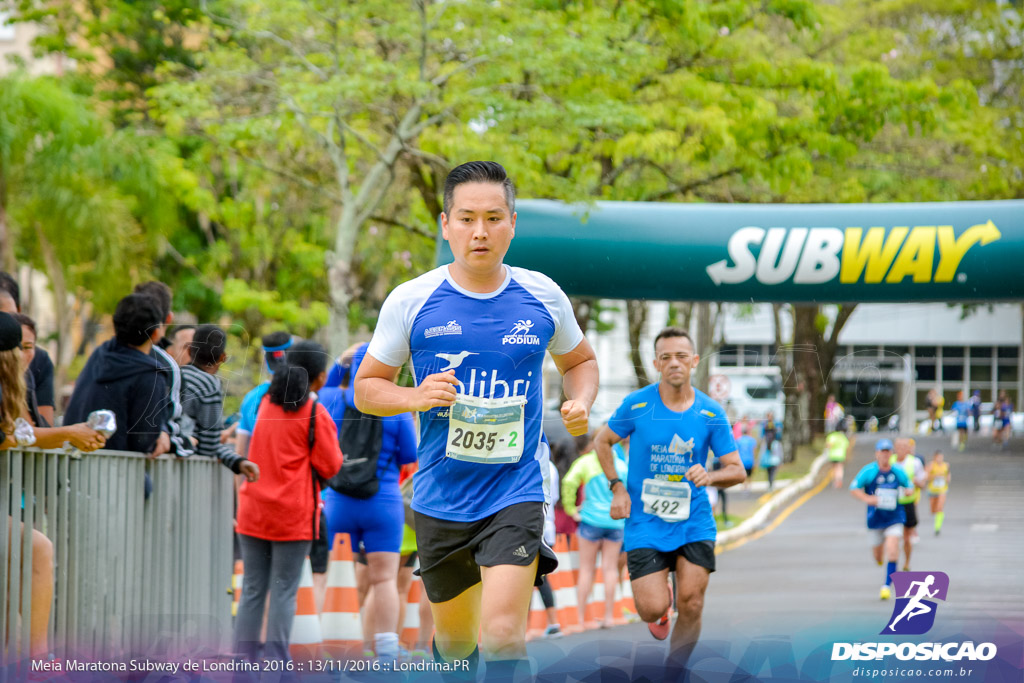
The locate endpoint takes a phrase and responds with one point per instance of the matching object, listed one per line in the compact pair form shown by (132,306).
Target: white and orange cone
(306,641)
(342,632)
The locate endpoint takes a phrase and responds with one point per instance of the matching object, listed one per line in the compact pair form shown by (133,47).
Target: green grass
(732,519)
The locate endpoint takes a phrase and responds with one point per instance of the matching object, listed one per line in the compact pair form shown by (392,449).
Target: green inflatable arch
(955,251)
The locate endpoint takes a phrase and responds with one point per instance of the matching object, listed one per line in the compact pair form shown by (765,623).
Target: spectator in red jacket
(279,515)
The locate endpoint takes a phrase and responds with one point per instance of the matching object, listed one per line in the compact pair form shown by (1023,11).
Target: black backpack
(361,438)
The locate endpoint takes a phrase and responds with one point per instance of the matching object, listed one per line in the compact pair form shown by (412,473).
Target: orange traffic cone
(574,558)
(236,587)
(342,632)
(625,607)
(595,602)
(538,620)
(563,583)
(411,626)
(306,641)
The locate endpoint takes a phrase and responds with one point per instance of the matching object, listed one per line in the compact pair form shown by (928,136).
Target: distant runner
(837,447)
(962,409)
(938,485)
(877,484)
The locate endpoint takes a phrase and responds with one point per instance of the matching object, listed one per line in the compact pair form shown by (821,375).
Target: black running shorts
(644,561)
(910,509)
(451,553)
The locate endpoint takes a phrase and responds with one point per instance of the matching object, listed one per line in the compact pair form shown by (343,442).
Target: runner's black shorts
(451,553)
(644,561)
(910,509)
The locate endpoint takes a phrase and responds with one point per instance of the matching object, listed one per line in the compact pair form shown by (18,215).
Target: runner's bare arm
(579,381)
(862,496)
(603,442)
(731,473)
(377,394)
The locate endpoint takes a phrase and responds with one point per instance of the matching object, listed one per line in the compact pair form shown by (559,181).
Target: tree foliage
(297,148)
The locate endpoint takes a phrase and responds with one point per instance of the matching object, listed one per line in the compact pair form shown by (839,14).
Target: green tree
(84,204)
(354,86)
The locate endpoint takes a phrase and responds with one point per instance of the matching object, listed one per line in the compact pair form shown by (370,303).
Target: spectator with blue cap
(275,345)
(878,484)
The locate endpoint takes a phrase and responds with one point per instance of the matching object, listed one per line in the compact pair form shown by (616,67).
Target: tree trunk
(342,281)
(7,259)
(705,346)
(807,348)
(636,314)
(679,314)
(65,315)
(582,310)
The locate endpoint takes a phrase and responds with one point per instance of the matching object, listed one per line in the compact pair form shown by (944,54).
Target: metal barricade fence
(133,575)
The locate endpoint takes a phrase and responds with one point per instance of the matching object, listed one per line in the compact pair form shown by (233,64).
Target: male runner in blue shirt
(878,484)
(476,332)
(672,427)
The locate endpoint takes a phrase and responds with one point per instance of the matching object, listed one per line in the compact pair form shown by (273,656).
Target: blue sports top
(663,445)
(495,343)
(746,445)
(251,407)
(962,410)
(873,480)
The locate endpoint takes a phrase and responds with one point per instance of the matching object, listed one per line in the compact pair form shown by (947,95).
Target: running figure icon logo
(522,327)
(520,334)
(914,612)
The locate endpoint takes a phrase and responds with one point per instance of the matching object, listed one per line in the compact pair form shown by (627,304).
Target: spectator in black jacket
(41,367)
(122,377)
(171,438)
(202,399)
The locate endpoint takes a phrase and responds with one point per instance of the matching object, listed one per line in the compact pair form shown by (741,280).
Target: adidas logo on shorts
(520,552)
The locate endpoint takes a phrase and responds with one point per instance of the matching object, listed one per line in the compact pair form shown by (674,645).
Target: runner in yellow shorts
(938,484)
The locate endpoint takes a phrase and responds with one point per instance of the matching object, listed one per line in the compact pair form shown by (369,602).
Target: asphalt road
(790,594)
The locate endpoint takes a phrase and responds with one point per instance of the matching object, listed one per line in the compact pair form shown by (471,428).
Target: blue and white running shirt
(666,510)
(486,452)
(885,486)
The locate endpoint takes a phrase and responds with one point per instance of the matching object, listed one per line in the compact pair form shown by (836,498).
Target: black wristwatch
(613,482)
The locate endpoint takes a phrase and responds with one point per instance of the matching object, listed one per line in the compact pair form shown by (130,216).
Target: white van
(748,391)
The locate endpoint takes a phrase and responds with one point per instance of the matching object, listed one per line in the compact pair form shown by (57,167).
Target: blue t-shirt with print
(495,343)
(872,480)
(663,445)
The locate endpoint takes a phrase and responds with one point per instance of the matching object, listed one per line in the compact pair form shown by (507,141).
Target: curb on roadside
(785,496)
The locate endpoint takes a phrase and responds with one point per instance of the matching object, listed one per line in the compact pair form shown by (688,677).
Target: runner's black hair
(674,332)
(479,172)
